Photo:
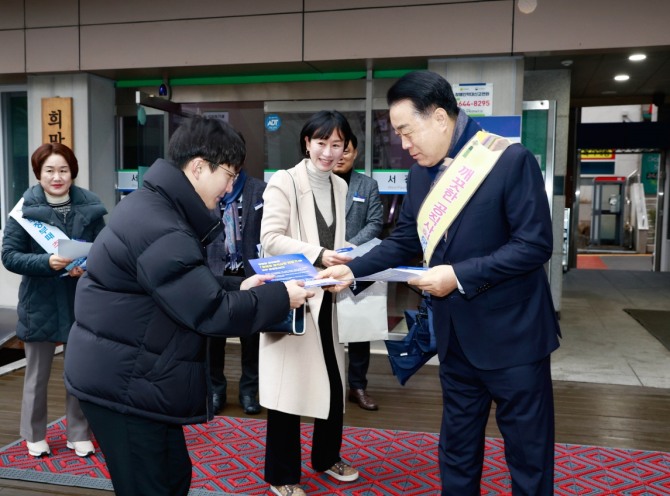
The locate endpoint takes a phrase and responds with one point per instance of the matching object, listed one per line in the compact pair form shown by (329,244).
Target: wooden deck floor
(593,414)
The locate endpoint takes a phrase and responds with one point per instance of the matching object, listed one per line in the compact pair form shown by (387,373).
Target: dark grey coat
(365,212)
(46,300)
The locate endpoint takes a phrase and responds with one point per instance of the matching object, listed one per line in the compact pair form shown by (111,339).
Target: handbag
(412,352)
(294,321)
(363,317)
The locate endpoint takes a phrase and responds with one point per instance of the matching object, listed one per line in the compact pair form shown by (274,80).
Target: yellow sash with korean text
(455,186)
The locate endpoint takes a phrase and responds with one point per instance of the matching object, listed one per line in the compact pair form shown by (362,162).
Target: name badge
(359,199)
(258,206)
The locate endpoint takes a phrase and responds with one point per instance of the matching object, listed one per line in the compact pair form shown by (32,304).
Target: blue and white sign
(507,126)
(391,181)
(272,122)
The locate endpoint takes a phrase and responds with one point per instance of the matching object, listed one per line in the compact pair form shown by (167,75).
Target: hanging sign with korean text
(57,121)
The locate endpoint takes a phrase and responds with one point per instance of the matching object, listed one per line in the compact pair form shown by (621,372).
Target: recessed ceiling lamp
(527,6)
(621,77)
(636,57)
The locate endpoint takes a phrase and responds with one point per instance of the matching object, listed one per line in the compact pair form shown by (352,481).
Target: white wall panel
(314,5)
(410,31)
(192,43)
(52,49)
(12,52)
(12,14)
(105,11)
(592,24)
(50,13)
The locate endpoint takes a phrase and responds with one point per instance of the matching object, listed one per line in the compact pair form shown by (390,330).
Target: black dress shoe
(218,402)
(250,405)
(361,397)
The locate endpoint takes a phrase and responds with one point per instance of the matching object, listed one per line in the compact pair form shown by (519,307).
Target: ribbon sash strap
(455,186)
(44,234)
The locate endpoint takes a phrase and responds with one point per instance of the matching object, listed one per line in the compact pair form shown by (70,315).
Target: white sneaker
(40,448)
(81,448)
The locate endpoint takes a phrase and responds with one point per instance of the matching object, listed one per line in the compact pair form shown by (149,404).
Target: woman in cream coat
(304,212)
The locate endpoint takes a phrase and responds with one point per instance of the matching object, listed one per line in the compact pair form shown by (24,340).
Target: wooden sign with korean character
(57,121)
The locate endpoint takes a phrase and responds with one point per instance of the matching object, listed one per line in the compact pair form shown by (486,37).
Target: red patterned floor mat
(228,455)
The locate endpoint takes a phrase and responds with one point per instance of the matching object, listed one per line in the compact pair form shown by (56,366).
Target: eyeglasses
(231,174)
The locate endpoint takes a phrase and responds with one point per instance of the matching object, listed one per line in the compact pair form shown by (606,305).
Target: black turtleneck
(347,175)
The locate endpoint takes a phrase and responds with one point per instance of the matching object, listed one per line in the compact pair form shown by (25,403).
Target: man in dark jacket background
(229,254)
(137,350)
(365,220)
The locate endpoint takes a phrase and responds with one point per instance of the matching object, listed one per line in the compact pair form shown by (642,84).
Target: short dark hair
(321,126)
(213,140)
(426,90)
(354,141)
(44,151)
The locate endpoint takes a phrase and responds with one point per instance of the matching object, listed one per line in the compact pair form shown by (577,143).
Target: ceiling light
(636,57)
(621,77)
(527,6)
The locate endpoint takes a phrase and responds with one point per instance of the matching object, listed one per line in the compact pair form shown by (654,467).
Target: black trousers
(144,457)
(359,362)
(217,362)
(282,445)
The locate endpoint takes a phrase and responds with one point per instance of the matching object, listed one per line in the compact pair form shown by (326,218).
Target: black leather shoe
(218,402)
(361,397)
(250,405)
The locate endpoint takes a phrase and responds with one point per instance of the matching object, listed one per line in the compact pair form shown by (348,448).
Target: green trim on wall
(138,83)
(268,78)
(262,78)
(391,74)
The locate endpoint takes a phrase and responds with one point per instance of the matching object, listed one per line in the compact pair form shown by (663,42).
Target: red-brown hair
(46,150)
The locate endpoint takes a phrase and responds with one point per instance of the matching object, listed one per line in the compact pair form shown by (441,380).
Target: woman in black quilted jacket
(46,294)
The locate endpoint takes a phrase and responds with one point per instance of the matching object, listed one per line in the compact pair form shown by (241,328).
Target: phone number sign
(475,98)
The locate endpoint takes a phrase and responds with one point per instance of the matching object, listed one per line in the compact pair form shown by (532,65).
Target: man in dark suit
(242,211)
(493,314)
(365,219)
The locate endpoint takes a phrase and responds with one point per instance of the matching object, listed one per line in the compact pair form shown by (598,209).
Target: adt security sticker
(272,122)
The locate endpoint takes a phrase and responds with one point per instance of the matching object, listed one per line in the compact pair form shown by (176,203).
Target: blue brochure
(290,267)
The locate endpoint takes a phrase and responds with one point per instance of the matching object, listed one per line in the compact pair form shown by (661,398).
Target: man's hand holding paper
(438,281)
(340,273)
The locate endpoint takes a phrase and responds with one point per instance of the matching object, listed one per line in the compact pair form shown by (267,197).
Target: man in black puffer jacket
(144,309)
